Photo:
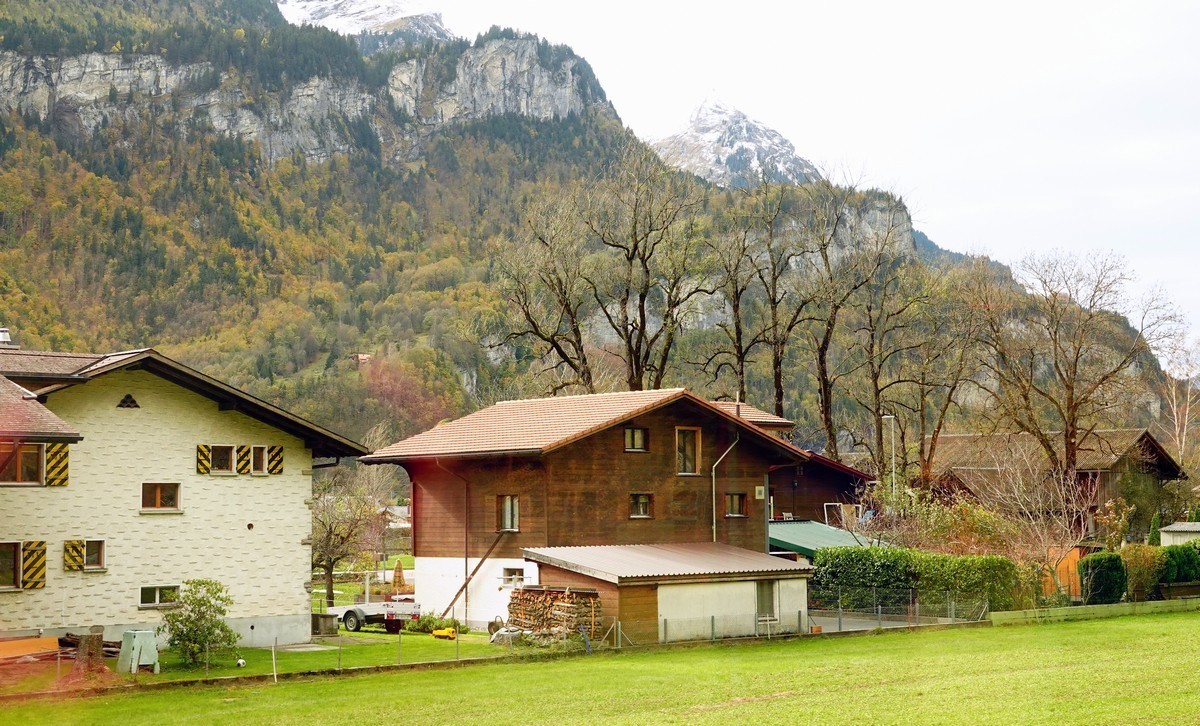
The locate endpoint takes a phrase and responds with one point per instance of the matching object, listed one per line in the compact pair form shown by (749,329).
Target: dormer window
(635,439)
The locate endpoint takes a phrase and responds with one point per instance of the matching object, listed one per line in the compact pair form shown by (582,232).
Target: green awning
(806,537)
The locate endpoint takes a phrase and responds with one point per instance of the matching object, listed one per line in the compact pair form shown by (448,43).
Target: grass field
(1133,669)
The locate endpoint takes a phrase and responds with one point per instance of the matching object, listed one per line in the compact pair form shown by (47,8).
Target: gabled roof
(75,369)
(638,564)
(1099,450)
(23,418)
(807,536)
(539,426)
(756,416)
(1182,527)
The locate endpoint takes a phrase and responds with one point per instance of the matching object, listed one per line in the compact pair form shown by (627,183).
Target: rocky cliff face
(79,94)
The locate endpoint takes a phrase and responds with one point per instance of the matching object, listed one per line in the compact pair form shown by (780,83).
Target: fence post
(713,626)
(839,608)
(618,634)
(949,607)
(666,637)
(952,605)
(400,644)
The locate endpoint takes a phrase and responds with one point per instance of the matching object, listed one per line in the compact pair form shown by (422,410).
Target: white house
(123,475)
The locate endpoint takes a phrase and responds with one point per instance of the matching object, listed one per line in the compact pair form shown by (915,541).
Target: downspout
(466,536)
(737,436)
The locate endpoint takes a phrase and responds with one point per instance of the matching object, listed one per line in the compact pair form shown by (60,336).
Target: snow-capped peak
(728,148)
(356,16)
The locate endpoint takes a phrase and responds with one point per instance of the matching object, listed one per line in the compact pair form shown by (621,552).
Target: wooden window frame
(159,603)
(212,460)
(177,509)
(102,564)
(17,567)
(742,499)
(633,497)
(262,470)
(696,454)
(504,512)
(7,446)
(630,434)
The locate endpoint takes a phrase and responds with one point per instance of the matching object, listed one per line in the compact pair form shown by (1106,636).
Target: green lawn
(1134,669)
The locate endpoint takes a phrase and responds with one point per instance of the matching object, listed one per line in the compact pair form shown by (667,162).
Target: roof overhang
(33,437)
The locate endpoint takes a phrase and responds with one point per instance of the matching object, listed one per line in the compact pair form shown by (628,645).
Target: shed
(694,591)
(1179,533)
(805,537)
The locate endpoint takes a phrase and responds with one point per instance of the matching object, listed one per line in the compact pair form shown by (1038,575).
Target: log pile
(69,644)
(557,610)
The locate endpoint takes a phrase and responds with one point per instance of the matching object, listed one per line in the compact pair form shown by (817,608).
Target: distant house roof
(806,537)
(1099,450)
(539,426)
(63,370)
(644,564)
(23,418)
(1182,527)
(756,416)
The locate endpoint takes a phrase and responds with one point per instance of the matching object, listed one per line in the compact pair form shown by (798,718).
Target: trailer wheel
(352,621)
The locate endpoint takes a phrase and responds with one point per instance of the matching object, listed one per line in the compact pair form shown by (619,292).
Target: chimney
(6,342)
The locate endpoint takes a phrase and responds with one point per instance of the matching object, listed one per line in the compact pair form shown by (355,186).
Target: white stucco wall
(437,579)
(264,568)
(727,609)
(1175,538)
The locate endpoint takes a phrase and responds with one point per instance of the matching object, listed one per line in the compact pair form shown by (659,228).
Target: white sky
(1008,128)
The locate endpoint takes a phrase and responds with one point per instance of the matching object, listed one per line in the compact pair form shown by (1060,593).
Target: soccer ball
(241,662)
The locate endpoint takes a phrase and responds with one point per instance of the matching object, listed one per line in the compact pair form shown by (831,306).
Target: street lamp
(891,418)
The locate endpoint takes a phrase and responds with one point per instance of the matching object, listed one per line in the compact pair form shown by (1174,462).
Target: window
(21,463)
(93,554)
(508,513)
(687,450)
(635,439)
(641,506)
(160,495)
(766,598)
(223,458)
(513,577)
(159,596)
(735,504)
(10,565)
(258,460)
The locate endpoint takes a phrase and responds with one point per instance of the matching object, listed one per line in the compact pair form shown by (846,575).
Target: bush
(428,623)
(197,623)
(1102,575)
(1155,537)
(1143,567)
(1182,563)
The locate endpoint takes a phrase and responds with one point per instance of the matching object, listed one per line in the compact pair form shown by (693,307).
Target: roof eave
(411,458)
(35,437)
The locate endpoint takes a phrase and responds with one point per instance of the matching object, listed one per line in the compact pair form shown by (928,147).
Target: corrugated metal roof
(756,416)
(807,536)
(22,417)
(1182,527)
(705,560)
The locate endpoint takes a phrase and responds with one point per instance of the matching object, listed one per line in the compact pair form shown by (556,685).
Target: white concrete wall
(727,609)
(1175,538)
(437,579)
(264,568)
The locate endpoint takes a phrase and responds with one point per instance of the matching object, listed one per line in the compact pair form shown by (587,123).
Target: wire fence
(834,608)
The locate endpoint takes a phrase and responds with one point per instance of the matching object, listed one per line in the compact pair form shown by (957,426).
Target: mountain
(352,17)
(730,149)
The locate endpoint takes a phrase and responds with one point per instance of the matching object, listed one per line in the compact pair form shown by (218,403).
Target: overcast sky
(1008,129)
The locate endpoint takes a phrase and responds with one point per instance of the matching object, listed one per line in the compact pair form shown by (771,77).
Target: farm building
(672,592)
(123,475)
(1179,533)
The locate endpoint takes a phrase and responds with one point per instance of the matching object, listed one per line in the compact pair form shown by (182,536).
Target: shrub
(1143,567)
(1155,537)
(1102,575)
(429,622)
(1182,563)
(197,622)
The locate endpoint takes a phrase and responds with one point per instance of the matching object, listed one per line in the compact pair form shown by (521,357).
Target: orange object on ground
(445,633)
(27,646)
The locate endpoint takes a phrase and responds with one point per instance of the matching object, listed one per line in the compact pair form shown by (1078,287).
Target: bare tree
(347,508)
(1061,357)
(1180,392)
(732,251)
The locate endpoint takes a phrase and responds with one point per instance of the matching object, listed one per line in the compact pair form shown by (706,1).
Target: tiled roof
(756,416)
(706,560)
(1098,451)
(21,416)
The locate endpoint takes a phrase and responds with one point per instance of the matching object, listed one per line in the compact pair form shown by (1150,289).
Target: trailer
(392,613)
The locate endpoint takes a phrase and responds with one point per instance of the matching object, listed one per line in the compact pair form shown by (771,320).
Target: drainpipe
(466,536)
(737,435)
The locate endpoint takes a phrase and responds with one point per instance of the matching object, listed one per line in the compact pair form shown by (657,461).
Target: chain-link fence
(834,608)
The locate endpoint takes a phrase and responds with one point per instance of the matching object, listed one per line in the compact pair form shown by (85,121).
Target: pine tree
(1155,525)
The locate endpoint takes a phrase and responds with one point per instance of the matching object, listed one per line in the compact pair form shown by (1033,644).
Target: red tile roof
(756,416)
(538,426)
(22,417)
(690,561)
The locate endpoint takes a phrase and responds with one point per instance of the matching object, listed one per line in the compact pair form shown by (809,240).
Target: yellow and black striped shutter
(56,465)
(203,458)
(33,565)
(73,551)
(275,460)
(243,459)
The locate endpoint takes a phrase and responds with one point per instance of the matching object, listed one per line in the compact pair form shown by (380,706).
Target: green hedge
(1182,563)
(890,572)
(1103,577)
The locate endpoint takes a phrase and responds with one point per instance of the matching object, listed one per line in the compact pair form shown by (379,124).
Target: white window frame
(512,577)
(508,512)
(253,470)
(19,568)
(158,593)
(678,466)
(41,466)
(177,509)
(631,446)
(633,498)
(103,564)
(212,460)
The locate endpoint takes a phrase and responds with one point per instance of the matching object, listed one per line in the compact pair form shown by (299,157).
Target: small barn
(674,592)
(1180,533)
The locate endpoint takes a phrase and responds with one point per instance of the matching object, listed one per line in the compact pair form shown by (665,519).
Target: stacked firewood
(558,610)
(68,645)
